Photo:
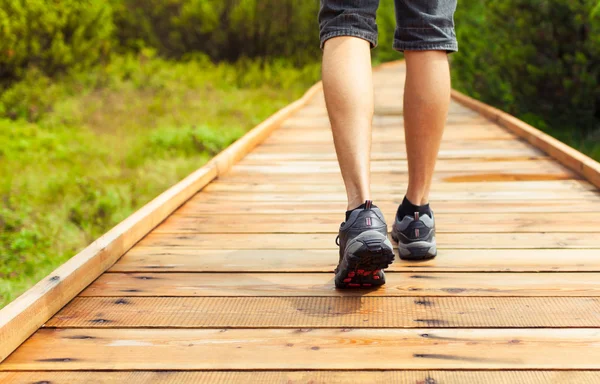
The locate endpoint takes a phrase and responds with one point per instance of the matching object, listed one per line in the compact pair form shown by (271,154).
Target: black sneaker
(415,236)
(365,249)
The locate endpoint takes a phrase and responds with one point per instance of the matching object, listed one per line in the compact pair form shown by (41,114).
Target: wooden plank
(570,186)
(488,206)
(445,241)
(321,284)
(313,377)
(395,166)
(320,123)
(169,259)
(251,349)
(384,146)
(25,314)
(393,131)
(190,222)
(300,136)
(328,312)
(575,160)
(476,153)
(459,176)
(435,196)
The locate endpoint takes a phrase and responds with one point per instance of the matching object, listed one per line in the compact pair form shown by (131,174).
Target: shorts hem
(448,47)
(368,36)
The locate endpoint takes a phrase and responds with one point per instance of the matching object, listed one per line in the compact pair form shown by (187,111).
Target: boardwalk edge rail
(22,317)
(581,164)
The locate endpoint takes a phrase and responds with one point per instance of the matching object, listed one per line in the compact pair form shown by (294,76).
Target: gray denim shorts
(420,24)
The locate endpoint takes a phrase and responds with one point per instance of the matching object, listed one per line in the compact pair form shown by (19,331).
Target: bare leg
(426,103)
(348,87)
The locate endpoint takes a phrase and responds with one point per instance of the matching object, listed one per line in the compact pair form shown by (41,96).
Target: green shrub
(29,98)
(234,29)
(223,29)
(537,59)
(53,36)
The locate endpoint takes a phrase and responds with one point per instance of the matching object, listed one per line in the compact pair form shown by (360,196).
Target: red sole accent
(361,272)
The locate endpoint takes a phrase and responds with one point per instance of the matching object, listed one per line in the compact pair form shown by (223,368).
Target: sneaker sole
(418,250)
(362,266)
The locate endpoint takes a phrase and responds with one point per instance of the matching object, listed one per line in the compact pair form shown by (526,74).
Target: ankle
(417,197)
(356,202)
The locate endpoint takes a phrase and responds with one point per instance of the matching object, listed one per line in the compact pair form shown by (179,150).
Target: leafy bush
(223,29)
(233,29)
(53,36)
(537,59)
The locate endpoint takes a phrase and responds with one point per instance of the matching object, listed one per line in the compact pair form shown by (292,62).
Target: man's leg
(426,102)
(348,88)
(348,31)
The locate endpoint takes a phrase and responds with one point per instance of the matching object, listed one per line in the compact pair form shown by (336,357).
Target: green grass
(81,153)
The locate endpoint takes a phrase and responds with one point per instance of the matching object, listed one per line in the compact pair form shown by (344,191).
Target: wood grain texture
(569,186)
(322,135)
(307,348)
(389,207)
(321,284)
(303,377)
(393,154)
(401,176)
(576,222)
(480,241)
(170,259)
(328,312)
(338,197)
(393,166)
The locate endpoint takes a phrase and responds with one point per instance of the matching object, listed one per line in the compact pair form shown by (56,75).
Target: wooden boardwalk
(237,284)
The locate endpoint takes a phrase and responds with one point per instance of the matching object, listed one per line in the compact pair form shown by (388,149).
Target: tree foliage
(52,35)
(538,59)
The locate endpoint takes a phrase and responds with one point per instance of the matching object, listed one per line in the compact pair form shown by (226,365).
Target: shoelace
(337,239)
